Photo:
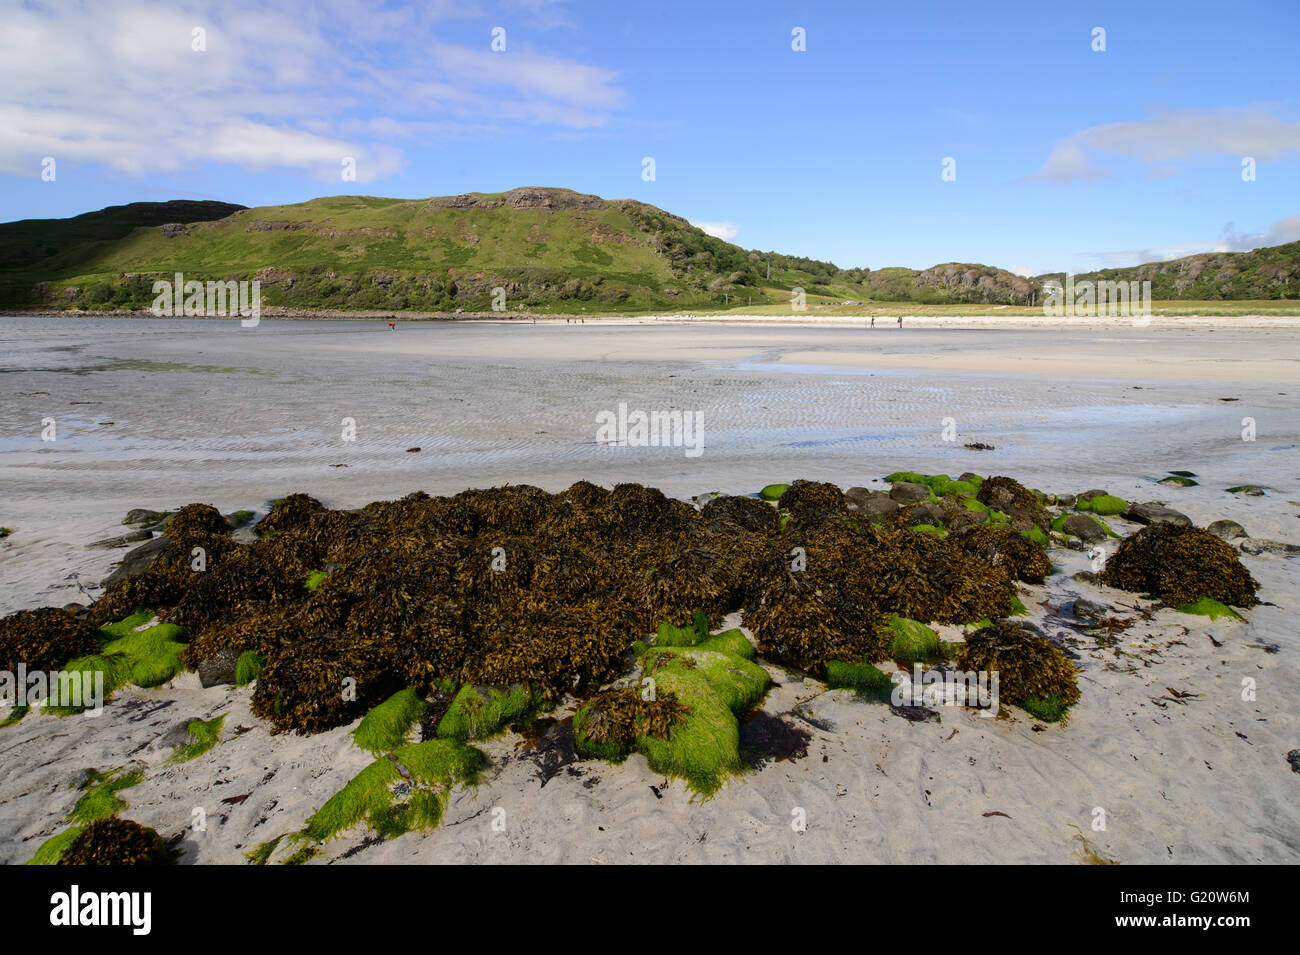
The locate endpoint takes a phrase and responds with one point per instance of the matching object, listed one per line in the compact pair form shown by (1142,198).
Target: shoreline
(884,321)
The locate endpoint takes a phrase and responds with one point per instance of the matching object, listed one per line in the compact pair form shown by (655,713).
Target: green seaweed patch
(99,800)
(315,579)
(1049,710)
(260,854)
(1178,480)
(405,790)
(912,640)
(694,632)
(1036,535)
(704,748)
(1104,504)
(862,676)
(608,725)
(739,683)
(1206,607)
(128,656)
(930,529)
(15,716)
(248,667)
(202,736)
(910,477)
(388,724)
(773,492)
(480,712)
(732,642)
(1018,608)
(974,505)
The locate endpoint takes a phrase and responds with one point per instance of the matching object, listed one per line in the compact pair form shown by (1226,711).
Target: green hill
(552,250)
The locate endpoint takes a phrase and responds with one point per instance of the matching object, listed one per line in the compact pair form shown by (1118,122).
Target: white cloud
(296,87)
(1162,140)
(1279,233)
(719,230)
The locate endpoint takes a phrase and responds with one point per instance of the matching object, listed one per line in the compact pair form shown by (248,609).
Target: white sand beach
(156,413)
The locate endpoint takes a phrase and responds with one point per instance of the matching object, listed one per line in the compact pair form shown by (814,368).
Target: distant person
(393,326)
(873,321)
(900,321)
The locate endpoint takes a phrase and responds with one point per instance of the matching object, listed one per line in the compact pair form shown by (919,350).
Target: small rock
(1250,490)
(1095,492)
(1088,610)
(916,714)
(175,736)
(905,492)
(1253,545)
(1156,514)
(140,515)
(1293,758)
(1087,577)
(926,512)
(130,537)
(75,609)
(1227,530)
(968,476)
(1066,500)
(1083,527)
(219,668)
(1175,481)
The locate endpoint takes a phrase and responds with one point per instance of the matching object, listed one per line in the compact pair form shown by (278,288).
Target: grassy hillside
(552,250)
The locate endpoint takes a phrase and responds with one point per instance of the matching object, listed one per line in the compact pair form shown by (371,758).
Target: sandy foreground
(158,413)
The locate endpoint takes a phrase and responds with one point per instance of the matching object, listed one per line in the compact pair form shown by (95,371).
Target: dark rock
(879,507)
(176,735)
(1250,490)
(1083,527)
(1293,758)
(906,492)
(75,609)
(1066,500)
(916,714)
(1087,577)
(927,512)
(1095,492)
(1175,481)
(1088,610)
(219,668)
(1256,546)
(130,537)
(968,476)
(1227,530)
(1156,514)
(140,515)
(137,560)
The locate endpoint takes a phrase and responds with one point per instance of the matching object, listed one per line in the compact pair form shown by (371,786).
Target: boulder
(1252,545)
(1250,490)
(1227,530)
(1088,610)
(137,560)
(1156,514)
(905,492)
(1084,527)
(926,512)
(123,540)
(1066,500)
(140,515)
(219,669)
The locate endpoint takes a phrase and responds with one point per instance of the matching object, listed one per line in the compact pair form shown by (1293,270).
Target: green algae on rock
(478,712)
(387,726)
(201,735)
(404,790)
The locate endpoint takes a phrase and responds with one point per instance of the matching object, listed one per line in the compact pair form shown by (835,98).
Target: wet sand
(159,413)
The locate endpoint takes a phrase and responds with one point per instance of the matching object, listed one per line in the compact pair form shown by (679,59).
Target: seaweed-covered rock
(196,520)
(1029,666)
(45,639)
(116,841)
(1012,498)
(745,513)
(812,499)
(1180,564)
(1002,546)
(608,725)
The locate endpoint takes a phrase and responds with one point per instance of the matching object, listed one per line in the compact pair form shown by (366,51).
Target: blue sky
(1065,157)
